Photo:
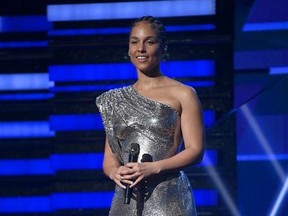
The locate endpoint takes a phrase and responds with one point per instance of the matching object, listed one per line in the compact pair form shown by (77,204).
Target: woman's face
(144,48)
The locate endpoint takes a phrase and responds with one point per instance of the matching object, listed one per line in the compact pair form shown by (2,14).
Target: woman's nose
(141,48)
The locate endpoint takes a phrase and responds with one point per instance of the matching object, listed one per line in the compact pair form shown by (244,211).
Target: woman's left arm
(193,132)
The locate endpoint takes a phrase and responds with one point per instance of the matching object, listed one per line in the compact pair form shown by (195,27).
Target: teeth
(141,57)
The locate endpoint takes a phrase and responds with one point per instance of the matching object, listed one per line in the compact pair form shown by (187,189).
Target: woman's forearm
(179,161)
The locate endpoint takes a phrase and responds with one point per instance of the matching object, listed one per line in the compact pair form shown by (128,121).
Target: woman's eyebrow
(133,37)
(146,38)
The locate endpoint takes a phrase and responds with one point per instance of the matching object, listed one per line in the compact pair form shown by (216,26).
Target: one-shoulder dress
(128,117)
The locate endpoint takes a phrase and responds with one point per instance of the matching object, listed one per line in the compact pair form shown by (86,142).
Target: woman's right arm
(112,168)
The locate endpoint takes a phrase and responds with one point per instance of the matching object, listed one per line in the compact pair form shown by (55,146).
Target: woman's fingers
(132,165)
(129,182)
(136,181)
(117,177)
(133,173)
(120,184)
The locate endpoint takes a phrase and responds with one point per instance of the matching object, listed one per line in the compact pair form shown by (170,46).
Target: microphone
(146,158)
(133,157)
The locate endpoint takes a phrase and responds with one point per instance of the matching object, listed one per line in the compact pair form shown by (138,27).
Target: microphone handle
(128,190)
(128,194)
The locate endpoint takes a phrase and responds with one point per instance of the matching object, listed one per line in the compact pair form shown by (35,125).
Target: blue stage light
(81,200)
(206,197)
(90,72)
(209,117)
(99,31)
(59,73)
(278,70)
(28,81)
(196,27)
(262,157)
(269,26)
(194,68)
(26,96)
(28,129)
(106,31)
(23,204)
(76,122)
(128,10)
(23,44)
(49,166)
(210,158)
(79,161)
(24,24)
(10,167)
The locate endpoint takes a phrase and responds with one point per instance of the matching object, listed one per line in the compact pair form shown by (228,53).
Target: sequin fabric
(129,117)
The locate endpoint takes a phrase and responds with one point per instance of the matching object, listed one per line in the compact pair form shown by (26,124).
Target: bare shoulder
(183,95)
(189,101)
(182,91)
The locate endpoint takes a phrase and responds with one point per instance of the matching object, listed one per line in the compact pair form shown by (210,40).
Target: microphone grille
(146,158)
(135,148)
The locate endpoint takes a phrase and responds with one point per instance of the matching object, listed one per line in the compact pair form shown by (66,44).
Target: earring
(128,53)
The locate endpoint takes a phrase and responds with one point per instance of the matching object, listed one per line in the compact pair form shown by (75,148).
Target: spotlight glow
(280,198)
(221,187)
(262,140)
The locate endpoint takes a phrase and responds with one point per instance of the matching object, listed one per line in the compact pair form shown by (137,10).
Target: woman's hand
(133,173)
(117,176)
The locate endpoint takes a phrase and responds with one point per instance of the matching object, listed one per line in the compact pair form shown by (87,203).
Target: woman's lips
(142,58)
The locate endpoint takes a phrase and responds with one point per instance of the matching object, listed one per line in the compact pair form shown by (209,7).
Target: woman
(158,113)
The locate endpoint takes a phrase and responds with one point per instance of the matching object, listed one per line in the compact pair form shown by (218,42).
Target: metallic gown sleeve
(105,104)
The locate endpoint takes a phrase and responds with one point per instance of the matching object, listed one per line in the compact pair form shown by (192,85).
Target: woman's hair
(155,24)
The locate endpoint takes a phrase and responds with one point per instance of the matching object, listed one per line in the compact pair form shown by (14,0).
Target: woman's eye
(150,42)
(133,42)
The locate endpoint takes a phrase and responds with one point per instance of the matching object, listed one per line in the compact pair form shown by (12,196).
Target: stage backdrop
(58,56)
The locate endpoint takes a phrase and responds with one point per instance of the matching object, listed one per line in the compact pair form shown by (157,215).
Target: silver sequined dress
(129,117)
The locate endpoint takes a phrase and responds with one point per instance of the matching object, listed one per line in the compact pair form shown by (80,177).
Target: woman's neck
(145,82)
